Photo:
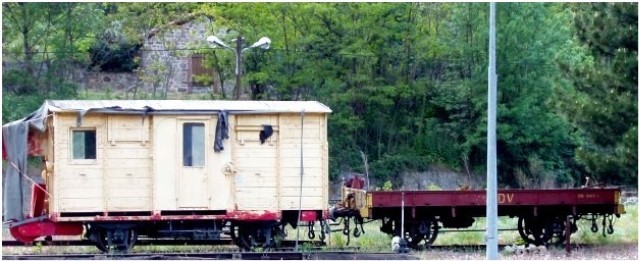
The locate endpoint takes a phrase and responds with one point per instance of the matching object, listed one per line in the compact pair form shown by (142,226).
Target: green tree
(604,103)
(42,45)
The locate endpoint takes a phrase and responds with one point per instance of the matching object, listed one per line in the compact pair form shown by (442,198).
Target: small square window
(84,144)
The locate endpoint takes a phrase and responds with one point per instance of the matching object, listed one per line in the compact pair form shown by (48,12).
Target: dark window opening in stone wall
(201,77)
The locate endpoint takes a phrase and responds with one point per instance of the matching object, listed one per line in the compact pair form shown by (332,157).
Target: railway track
(221,255)
(314,253)
(271,255)
(155,242)
(328,255)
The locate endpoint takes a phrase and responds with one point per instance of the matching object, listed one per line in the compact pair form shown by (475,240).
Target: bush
(15,107)
(115,57)
(389,167)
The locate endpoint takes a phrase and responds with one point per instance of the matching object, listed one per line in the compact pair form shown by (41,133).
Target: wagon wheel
(425,230)
(264,236)
(554,232)
(413,235)
(433,234)
(531,230)
(119,240)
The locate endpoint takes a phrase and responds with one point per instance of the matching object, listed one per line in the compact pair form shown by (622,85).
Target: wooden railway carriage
(116,169)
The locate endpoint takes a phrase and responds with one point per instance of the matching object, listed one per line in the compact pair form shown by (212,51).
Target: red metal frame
(28,232)
(230,215)
(537,197)
(257,215)
(308,216)
(38,197)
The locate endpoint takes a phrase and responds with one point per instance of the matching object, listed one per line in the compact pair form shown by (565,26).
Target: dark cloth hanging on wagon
(222,131)
(265,133)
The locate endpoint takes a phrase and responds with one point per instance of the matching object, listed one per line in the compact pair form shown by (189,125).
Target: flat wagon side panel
(598,196)
(79,161)
(505,197)
(314,186)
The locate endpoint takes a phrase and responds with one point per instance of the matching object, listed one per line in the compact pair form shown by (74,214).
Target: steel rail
(269,255)
(324,255)
(147,242)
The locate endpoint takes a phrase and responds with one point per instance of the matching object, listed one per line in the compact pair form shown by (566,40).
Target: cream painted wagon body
(116,169)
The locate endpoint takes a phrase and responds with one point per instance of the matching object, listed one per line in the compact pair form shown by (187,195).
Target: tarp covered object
(15,145)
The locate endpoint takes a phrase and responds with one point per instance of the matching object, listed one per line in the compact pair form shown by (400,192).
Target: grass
(626,231)
(371,240)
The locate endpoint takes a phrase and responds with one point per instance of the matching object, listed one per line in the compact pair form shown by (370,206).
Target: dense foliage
(406,81)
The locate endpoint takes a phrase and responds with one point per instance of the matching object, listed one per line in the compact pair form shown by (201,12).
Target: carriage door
(192,178)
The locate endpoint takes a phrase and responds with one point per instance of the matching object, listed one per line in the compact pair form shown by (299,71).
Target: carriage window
(84,144)
(193,147)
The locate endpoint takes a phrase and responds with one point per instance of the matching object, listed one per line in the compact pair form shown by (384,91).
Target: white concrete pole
(492,179)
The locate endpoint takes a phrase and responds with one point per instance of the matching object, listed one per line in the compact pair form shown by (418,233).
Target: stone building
(169,63)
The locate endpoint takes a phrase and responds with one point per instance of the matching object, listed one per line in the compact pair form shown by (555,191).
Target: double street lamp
(263,43)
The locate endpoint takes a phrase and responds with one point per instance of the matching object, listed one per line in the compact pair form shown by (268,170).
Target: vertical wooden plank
(325,160)
(152,168)
(145,129)
(235,145)
(164,162)
(220,182)
(53,203)
(105,161)
(110,137)
(278,159)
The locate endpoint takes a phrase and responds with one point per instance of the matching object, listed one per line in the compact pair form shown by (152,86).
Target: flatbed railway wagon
(544,215)
(116,169)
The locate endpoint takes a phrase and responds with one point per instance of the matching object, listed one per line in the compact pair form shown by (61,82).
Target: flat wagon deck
(544,215)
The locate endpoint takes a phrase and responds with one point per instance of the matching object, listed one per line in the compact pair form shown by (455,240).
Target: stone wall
(105,81)
(166,60)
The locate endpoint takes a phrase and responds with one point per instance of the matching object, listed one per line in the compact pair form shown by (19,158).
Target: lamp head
(216,41)
(263,43)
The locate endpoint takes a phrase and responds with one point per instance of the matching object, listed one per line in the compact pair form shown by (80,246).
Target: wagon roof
(188,105)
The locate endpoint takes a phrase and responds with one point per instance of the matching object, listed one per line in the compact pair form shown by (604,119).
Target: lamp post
(263,43)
